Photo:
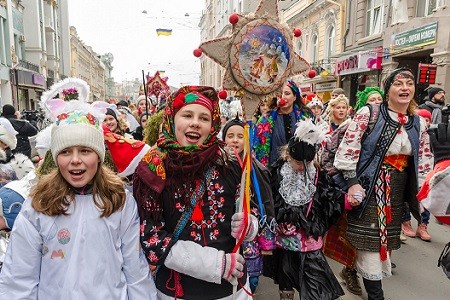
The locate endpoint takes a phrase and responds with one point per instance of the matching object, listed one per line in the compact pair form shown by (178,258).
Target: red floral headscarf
(186,95)
(171,164)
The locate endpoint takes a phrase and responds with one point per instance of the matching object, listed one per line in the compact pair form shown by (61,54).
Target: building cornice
(306,12)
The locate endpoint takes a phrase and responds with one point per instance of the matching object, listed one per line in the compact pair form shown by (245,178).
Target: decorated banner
(259,55)
(157,85)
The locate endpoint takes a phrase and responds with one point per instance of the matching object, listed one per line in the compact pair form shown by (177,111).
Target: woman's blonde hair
(52,194)
(412,106)
(333,102)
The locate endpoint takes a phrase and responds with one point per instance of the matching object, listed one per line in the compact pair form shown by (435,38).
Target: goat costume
(305,207)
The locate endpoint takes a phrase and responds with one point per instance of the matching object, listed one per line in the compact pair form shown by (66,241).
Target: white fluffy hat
(77,123)
(8,133)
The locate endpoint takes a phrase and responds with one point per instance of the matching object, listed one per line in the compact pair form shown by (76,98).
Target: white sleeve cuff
(204,263)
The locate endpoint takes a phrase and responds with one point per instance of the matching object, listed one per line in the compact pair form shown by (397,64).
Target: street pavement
(415,277)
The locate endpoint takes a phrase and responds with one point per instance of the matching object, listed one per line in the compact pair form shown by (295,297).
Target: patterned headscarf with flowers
(202,95)
(171,164)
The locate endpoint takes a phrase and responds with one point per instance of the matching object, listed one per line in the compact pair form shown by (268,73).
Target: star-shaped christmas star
(258,55)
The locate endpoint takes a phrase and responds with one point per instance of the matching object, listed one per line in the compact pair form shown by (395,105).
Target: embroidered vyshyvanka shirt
(349,150)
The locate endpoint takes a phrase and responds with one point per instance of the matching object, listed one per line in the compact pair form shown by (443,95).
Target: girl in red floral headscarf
(186,190)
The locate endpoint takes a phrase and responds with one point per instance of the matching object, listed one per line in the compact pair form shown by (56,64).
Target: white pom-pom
(309,132)
(235,109)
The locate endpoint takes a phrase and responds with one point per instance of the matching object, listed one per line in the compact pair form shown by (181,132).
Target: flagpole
(145,93)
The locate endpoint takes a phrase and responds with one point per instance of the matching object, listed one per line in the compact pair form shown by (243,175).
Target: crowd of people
(188,201)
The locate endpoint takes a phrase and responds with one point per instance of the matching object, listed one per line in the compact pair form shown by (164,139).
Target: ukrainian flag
(161,73)
(164,32)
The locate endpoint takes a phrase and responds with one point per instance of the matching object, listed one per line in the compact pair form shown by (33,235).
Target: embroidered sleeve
(426,158)
(155,240)
(348,152)
(262,140)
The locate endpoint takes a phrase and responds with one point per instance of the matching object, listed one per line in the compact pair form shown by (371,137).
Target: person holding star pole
(187,190)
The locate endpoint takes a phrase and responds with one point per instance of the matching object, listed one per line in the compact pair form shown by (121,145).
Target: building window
(331,40)
(314,48)
(300,47)
(425,7)
(3,37)
(374,17)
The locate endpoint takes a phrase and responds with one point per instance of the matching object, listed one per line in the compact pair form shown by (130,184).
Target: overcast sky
(121,27)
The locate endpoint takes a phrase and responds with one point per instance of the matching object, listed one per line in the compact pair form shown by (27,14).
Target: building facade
(418,37)
(87,65)
(381,35)
(34,49)
(321,23)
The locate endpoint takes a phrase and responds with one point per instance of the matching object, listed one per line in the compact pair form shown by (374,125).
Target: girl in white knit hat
(79,230)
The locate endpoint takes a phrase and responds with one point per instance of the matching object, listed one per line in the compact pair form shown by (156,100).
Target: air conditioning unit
(21,39)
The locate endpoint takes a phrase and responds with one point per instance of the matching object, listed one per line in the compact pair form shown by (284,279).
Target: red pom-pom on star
(223,94)
(297,32)
(312,74)
(233,18)
(198,52)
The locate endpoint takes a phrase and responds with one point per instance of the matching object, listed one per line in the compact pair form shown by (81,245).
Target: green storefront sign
(420,36)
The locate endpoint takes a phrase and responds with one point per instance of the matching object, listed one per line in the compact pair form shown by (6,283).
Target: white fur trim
(315,102)
(22,165)
(2,155)
(24,185)
(437,200)
(134,163)
(309,132)
(6,137)
(44,140)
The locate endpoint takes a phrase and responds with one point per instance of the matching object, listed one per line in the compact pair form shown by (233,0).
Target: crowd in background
(322,175)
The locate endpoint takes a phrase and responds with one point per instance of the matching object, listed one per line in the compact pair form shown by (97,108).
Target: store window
(3,38)
(374,14)
(426,7)
(331,38)
(314,48)
(300,47)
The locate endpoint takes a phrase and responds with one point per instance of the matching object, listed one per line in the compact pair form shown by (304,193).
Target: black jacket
(25,129)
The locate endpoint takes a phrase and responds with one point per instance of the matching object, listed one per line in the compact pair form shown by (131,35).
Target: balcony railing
(27,65)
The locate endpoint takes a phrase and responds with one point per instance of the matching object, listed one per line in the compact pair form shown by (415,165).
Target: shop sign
(305,88)
(363,61)
(416,37)
(427,73)
(325,86)
(38,79)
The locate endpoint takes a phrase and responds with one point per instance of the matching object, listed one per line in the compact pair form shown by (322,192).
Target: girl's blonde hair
(284,152)
(333,102)
(52,194)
